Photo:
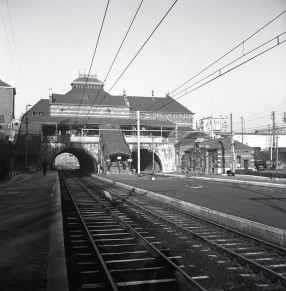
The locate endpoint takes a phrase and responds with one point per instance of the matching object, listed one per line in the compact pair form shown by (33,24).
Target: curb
(268,233)
(57,272)
(254,183)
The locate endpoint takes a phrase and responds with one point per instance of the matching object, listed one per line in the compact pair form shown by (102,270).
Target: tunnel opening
(66,160)
(77,159)
(146,161)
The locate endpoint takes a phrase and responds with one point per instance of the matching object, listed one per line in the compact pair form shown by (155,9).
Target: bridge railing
(130,138)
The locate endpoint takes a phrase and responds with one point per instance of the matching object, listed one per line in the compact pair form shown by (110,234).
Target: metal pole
(277,157)
(242,128)
(138,142)
(232,146)
(26,138)
(273,132)
(153,154)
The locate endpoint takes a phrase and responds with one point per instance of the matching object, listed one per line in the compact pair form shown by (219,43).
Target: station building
(102,130)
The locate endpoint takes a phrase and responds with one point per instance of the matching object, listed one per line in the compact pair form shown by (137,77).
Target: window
(2,119)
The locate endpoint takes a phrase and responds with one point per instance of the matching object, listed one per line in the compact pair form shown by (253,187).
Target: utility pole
(232,145)
(138,142)
(241,118)
(273,137)
(270,144)
(277,157)
(26,138)
(212,129)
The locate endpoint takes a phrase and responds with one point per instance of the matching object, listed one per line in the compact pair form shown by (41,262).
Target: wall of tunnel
(87,162)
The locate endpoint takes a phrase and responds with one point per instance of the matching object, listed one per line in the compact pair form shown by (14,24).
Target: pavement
(31,245)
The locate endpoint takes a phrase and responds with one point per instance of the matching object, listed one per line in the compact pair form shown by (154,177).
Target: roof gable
(3,84)
(88,97)
(161,104)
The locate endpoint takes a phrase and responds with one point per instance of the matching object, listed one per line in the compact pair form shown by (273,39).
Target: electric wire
(210,65)
(101,27)
(222,73)
(139,50)
(8,42)
(219,71)
(87,116)
(230,51)
(218,59)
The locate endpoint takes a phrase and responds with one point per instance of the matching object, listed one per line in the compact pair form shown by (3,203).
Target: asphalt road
(260,204)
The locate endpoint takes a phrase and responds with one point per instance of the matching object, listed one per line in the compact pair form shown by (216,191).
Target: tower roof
(86,79)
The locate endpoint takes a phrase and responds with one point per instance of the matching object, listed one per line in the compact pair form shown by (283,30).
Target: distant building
(214,125)
(7,108)
(202,154)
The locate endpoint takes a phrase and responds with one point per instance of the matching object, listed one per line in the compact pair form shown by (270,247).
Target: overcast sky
(44,44)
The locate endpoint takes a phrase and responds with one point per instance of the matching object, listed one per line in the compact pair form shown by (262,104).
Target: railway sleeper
(139,274)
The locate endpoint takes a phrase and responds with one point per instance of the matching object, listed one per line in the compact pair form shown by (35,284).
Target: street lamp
(26,137)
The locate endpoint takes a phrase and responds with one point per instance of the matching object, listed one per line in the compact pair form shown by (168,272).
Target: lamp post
(26,138)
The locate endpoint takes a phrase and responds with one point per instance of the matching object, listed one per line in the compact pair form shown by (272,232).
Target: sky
(45,44)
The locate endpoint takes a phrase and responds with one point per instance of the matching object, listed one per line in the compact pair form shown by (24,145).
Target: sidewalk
(239,179)
(31,234)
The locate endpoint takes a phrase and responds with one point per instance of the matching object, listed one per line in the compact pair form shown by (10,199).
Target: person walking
(44,167)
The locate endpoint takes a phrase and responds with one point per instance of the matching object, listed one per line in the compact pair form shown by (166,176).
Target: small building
(213,156)
(7,107)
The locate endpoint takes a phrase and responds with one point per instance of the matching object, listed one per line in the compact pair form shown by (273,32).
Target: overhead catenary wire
(219,71)
(262,113)
(223,73)
(230,51)
(123,72)
(159,101)
(223,56)
(136,13)
(15,47)
(8,42)
(101,27)
(143,45)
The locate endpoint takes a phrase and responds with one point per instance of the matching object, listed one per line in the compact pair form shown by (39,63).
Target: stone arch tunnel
(86,161)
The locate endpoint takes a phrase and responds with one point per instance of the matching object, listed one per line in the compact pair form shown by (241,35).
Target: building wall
(212,161)
(6,105)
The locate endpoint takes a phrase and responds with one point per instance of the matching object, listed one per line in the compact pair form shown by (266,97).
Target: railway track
(107,250)
(260,262)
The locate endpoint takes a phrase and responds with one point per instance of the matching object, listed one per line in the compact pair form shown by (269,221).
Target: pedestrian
(44,167)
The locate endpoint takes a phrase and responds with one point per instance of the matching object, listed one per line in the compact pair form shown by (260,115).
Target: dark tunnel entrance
(76,158)
(146,161)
